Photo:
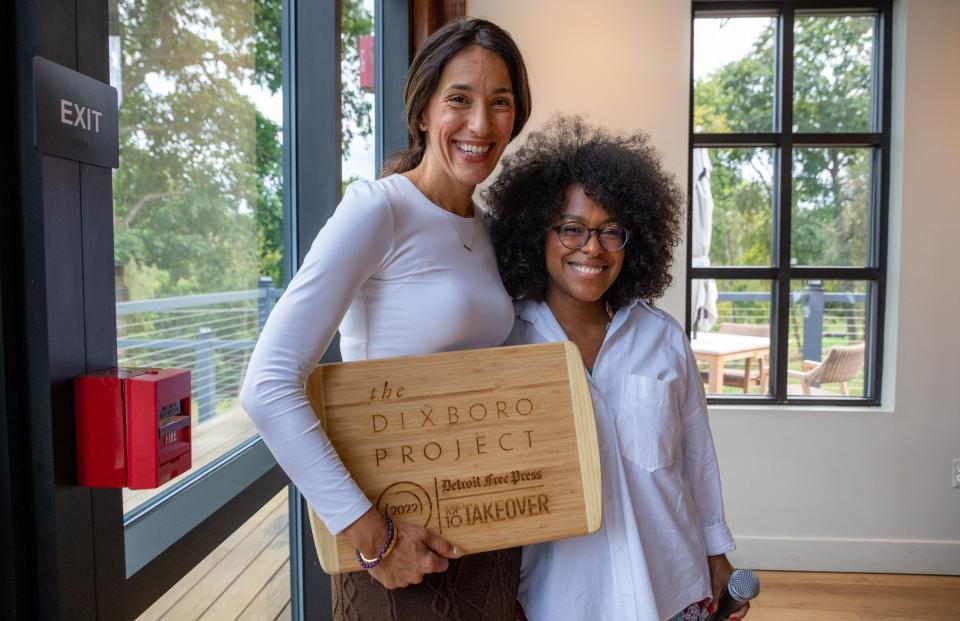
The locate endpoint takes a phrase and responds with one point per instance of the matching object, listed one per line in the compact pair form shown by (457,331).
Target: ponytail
(401,161)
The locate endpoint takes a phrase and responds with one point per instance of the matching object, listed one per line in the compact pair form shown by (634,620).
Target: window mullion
(781,308)
(817,272)
(837,140)
(735,272)
(736,140)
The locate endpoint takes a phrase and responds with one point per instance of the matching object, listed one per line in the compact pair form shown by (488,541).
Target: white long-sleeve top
(390,269)
(662,508)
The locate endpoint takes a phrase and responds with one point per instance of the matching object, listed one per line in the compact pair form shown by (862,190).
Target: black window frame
(782,142)
(310,595)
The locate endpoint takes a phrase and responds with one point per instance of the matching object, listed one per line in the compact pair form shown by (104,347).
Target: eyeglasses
(575,235)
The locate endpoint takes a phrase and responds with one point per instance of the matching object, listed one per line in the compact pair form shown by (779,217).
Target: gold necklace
(473,230)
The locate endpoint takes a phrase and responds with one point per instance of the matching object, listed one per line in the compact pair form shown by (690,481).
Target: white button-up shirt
(662,508)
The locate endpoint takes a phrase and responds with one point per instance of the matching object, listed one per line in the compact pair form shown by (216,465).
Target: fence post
(264,301)
(813,320)
(206,380)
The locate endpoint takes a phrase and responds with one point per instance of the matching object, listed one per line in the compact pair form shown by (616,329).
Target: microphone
(742,587)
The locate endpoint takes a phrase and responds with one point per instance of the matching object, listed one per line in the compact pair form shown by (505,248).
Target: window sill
(799,409)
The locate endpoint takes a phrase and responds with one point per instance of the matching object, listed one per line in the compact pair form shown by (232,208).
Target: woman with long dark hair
(404,266)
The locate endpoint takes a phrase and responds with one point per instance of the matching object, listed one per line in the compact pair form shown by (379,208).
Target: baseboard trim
(901,556)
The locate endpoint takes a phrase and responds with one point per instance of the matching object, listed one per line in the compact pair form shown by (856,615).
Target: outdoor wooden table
(716,349)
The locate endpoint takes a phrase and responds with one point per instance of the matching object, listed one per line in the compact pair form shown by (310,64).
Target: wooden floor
(804,596)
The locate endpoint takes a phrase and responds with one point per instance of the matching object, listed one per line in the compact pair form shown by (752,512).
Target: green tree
(198,196)
(832,75)
(737,97)
(832,93)
(186,187)
(833,64)
(269,210)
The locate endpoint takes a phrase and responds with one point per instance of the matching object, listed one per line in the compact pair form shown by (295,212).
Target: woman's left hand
(720,570)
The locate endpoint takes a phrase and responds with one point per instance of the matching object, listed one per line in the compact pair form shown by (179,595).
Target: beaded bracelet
(386,549)
(393,544)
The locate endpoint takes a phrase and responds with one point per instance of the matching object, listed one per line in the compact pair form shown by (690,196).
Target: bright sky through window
(719,41)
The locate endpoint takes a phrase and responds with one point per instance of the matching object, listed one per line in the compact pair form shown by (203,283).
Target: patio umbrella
(703,292)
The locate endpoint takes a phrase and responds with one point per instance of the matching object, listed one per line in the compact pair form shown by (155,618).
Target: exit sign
(76,115)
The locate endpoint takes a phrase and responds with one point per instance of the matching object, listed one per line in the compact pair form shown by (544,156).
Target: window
(789,174)
(198,208)
(200,253)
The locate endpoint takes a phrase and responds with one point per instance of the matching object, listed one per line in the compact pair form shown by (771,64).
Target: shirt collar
(652,309)
(541,317)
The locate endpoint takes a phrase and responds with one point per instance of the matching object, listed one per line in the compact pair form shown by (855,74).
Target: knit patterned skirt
(477,587)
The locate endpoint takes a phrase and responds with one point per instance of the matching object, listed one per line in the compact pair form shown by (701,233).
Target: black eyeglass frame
(626,235)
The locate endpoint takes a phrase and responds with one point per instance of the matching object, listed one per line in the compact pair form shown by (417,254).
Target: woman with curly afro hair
(584,224)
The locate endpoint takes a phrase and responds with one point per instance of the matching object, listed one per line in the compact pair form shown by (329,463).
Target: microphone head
(744,585)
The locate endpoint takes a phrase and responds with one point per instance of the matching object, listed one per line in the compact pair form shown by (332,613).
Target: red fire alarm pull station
(133,427)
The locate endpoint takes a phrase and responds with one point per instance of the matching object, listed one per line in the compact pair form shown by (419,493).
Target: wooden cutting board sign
(492,448)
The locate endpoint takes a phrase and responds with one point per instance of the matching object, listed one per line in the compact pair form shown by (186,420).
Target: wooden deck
(247,577)
(211,439)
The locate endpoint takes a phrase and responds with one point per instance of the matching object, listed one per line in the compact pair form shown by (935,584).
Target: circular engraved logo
(406,500)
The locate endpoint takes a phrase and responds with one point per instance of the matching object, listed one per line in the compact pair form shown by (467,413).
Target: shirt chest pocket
(648,424)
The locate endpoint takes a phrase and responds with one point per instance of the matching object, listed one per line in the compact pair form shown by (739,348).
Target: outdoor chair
(842,364)
(743,378)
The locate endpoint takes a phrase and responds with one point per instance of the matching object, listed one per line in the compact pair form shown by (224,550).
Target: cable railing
(818,318)
(210,334)
(214,334)
(818,321)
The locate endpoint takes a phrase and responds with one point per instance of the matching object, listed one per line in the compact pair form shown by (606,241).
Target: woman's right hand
(418,551)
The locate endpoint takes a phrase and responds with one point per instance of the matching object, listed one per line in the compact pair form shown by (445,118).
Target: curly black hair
(622,173)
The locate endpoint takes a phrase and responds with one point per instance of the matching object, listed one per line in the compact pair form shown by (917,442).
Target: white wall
(815,489)
(622,63)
